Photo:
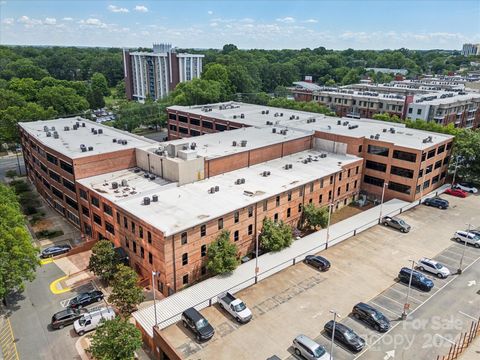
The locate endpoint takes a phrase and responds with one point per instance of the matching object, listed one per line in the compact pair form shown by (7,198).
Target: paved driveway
(298,299)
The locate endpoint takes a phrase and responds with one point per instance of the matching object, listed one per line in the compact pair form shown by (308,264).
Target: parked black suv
(419,280)
(66,317)
(436,202)
(371,317)
(200,326)
(86,298)
(345,335)
(318,262)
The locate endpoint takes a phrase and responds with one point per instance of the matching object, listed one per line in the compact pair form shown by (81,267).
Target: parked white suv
(469,238)
(466,187)
(434,267)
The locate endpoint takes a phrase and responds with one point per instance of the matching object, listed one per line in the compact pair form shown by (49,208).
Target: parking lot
(364,268)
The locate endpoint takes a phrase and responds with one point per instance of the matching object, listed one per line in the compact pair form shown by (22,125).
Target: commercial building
(411,162)
(155,74)
(470,49)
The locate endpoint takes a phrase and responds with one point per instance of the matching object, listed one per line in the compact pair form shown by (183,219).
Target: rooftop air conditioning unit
(267,111)
(66,128)
(242,116)
(100,131)
(263,112)
(53,128)
(154,198)
(49,134)
(152,177)
(95,132)
(298,117)
(124,182)
(281,114)
(90,148)
(92,129)
(243,143)
(114,185)
(146,175)
(242,180)
(234,143)
(274,130)
(185,147)
(114,140)
(146,200)
(45,128)
(211,190)
(193,146)
(377,136)
(234,116)
(83,124)
(339,122)
(55,135)
(372,136)
(217,188)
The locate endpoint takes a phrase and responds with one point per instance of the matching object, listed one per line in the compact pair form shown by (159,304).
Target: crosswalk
(8,349)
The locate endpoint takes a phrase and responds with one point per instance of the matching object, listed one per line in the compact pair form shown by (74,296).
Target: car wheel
(356,316)
(184,324)
(81,333)
(221,305)
(403,231)
(458,239)
(440,276)
(297,352)
(377,328)
(477,245)
(385,224)
(306,262)
(61,326)
(421,268)
(198,337)
(238,319)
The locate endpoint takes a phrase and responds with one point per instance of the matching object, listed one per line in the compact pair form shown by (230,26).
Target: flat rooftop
(180,208)
(445,98)
(221,144)
(68,142)
(302,121)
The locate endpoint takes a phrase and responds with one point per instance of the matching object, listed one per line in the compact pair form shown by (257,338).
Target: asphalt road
(10,163)
(31,315)
(433,325)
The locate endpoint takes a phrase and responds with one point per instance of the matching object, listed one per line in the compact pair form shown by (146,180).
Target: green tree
(222,254)
(314,217)
(23,68)
(26,87)
(281,91)
(198,91)
(275,236)
(18,256)
(62,99)
(99,83)
(126,294)
(103,260)
(116,339)
(387,117)
(228,48)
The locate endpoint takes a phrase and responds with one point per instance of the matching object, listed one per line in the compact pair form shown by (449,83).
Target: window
(348,173)
(250,211)
(410,110)
(134,247)
(125,222)
(207,124)
(183,130)
(250,229)
(449,146)
(356,170)
(429,169)
(435,179)
(424,156)
(203,270)
(172,116)
(331,180)
(107,209)
(399,187)
(419,111)
(438,164)
(377,150)
(375,166)
(52,159)
(109,227)
(289,196)
(184,238)
(277,200)
(440,149)
(310,201)
(417,189)
(405,156)
(220,224)
(127,243)
(373,180)
(235,235)
(185,259)
(360,148)
(446,160)
(195,122)
(220,127)
(443,175)
(321,184)
(67,167)
(311,187)
(150,258)
(57,193)
(97,219)
(288,212)
(426,184)
(71,202)
(431,154)
(69,185)
(43,167)
(185,279)
(299,208)
(340,177)
(83,194)
(355,184)
(118,218)
(133,227)
(275,217)
(182,119)
(140,232)
(320,198)
(173,127)
(149,237)
(347,187)
(95,202)
(407,173)
(265,205)
(53,175)
(236,217)
(203,250)
(203,230)
(338,191)
(329,195)
(300,191)
(85,211)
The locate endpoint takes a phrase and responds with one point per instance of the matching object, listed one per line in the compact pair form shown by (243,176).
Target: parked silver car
(309,349)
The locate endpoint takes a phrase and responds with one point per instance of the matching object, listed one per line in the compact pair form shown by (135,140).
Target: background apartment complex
(155,74)
(470,49)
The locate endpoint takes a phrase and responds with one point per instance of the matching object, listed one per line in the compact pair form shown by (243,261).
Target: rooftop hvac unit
(372,136)
(267,112)
(83,124)
(298,117)
(385,130)
(95,132)
(53,128)
(211,190)
(291,117)
(193,146)
(82,146)
(339,122)
(275,115)
(263,112)
(49,134)
(269,123)
(100,131)
(305,161)
(185,147)
(136,170)
(217,188)
(238,181)
(146,200)
(66,128)
(55,135)
(242,116)
(77,124)
(377,136)
(345,123)
(152,177)
(45,128)
(242,180)
(92,129)
(274,130)
(234,116)
(323,155)
(146,175)
(234,143)
(114,140)
(243,143)
(74,127)
(114,185)
(124,182)
(154,198)
(90,148)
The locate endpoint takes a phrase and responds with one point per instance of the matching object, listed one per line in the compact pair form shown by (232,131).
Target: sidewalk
(473,351)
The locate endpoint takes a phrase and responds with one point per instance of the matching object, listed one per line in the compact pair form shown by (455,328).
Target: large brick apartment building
(164,203)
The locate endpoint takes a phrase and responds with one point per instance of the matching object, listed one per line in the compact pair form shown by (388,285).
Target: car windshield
(438,266)
(240,307)
(401,222)
(319,351)
(201,323)
(82,321)
(350,335)
(377,315)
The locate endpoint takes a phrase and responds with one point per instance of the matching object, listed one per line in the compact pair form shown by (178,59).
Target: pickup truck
(235,307)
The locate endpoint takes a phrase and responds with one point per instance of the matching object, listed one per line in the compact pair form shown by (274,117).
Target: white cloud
(67,19)
(286,20)
(311,21)
(213,24)
(116,9)
(141,8)
(8,21)
(28,22)
(210,12)
(50,21)
(94,22)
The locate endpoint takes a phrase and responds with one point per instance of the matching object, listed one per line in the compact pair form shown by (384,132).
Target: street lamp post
(18,161)
(256,257)
(335,314)
(154,273)
(407,305)
(381,203)
(455,171)
(330,207)
(459,271)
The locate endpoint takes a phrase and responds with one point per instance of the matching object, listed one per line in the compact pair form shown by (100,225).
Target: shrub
(275,236)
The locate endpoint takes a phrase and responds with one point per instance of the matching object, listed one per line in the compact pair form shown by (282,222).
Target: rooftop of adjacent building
(255,115)
(80,132)
(180,208)
(446,98)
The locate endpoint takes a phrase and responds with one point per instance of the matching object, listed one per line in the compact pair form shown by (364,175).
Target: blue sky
(378,24)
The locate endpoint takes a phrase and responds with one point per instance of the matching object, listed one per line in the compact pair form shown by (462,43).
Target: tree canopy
(315,216)
(275,236)
(222,254)
(102,261)
(126,294)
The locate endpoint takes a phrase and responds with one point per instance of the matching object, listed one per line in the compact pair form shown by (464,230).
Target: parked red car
(456,192)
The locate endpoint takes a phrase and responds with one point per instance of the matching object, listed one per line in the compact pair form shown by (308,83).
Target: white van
(91,320)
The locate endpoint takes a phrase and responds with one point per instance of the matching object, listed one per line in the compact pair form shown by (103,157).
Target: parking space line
(447,257)
(469,316)
(387,297)
(460,254)
(411,297)
(384,308)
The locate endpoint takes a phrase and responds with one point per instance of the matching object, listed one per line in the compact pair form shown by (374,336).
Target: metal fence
(292,261)
(465,339)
